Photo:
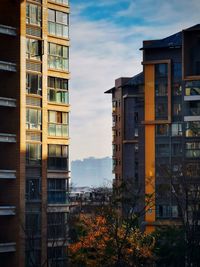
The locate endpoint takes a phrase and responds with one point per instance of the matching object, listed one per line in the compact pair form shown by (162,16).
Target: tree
(106,241)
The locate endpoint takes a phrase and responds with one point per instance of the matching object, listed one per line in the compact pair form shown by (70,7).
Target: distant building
(91,171)
(169,139)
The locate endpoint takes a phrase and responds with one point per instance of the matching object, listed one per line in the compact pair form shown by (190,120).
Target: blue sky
(105,39)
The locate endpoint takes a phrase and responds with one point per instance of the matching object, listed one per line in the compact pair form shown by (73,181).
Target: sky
(105,39)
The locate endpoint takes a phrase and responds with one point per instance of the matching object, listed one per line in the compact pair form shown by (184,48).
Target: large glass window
(193,169)
(57,225)
(58,56)
(33,14)
(57,191)
(162,150)
(177,129)
(162,130)
(33,189)
(58,23)
(58,90)
(58,157)
(33,84)
(57,256)
(33,224)
(192,129)
(33,119)
(33,153)
(33,49)
(192,150)
(58,123)
(167,211)
(161,91)
(193,108)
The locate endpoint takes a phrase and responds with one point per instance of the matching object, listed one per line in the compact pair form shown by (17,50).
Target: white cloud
(102,51)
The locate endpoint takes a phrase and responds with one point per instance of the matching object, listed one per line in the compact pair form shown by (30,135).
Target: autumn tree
(104,240)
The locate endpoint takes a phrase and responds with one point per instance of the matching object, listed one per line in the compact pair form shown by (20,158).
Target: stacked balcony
(7,138)
(7,102)
(7,30)
(7,247)
(7,66)
(7,210)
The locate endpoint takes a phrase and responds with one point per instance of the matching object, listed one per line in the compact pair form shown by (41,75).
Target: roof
(174,40)
(135,80)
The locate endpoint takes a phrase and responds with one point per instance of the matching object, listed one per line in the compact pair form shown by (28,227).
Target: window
(162,130)
(177,149)
(33,119)
(161,110)
(58,157)
(33,14)
(177,71)
(63,2)
(162,150)
(57,256)
(58,56)
(33,224)
(177,89)
(33,49)
(192,150)
(192,88)
(57,225)
(161,87)
(193,169)
(177,129)
(33,189)
(176,109)
(166,211)
(58,123)
(33,84)
(57,191)
(58,23)
(193,108)
(58,90)
(192,129)
(33,154)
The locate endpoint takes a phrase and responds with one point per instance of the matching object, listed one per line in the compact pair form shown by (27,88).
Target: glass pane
(51,15)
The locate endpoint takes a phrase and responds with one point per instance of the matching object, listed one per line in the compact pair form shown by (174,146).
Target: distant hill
(91,171)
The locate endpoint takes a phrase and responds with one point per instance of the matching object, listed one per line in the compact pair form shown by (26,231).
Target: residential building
(169,139)
(34,140)
(127,115)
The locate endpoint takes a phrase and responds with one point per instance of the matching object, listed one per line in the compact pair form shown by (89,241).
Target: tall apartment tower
(127,115)
(168,126)
(172,126)
(34,109)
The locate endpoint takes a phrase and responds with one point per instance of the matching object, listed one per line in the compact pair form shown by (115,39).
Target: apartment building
(34,135)
(169,144)
(127,115)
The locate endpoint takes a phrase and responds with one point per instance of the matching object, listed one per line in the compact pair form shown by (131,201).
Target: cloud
(105,49)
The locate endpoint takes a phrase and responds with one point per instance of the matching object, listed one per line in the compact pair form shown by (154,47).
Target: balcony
(7,174)
(7,66)
(4,29)
(7,247)
(7,210)
(7,102)
(7,138)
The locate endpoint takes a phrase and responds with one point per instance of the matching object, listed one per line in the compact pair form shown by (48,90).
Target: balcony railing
(7,138)
(4,29)
(7,102)
(7,210)
(7,66)
(7,247)
(7,174)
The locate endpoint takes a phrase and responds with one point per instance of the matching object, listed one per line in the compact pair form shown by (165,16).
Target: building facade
(169,157)
(34,140)
(127,115)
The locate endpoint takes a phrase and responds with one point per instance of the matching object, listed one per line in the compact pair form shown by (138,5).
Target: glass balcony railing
(7,66)
(7,102)
(7,210)
(58,163)
(7,138)
(7,247)
(58,197)
(7,174)
(58,130)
